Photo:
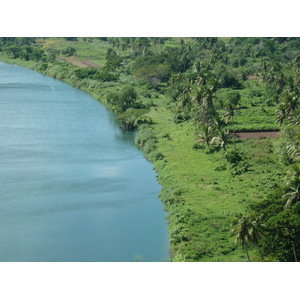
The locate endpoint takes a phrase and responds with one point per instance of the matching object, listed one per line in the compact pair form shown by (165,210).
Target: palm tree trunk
(260,253)
(246,246)
(234,144)
(294,251)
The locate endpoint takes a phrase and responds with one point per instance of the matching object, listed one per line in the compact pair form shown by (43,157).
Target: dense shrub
(132,118)
(69,51)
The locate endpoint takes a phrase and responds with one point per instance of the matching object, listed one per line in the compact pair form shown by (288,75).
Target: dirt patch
(258,134)
(79,62)
(252,77)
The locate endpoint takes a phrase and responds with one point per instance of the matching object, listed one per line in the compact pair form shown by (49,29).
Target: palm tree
(206,134)
(289,100)
(256,231)
(229,114)
(280,114)
(292,192)
(183,58)
(197,66)
(184,97)
(218,123)
(176,78)
(202,99)
(293,149)
(248,230)
(242,232)
(222,138)
(294,119)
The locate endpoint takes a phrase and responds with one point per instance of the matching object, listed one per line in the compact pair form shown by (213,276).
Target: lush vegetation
(228,199)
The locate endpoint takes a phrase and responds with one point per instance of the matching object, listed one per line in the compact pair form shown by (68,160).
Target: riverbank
(200,192)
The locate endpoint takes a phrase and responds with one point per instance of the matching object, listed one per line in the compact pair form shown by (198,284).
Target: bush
(69,51)
(181,117)
(198,146)
(233,98)
(233,156)
(106,76)
(132,118)
(85,73)
(240,168)
(238,162)
(220,168)
(124,99)
(153,74)
(154,156)
(166,136)
(227,79)
(149,146)
(145,134)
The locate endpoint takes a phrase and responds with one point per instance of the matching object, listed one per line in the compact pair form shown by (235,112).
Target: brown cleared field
(258,134)
(79,62)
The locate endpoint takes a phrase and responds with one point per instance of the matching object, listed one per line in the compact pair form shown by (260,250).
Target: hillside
(218,118)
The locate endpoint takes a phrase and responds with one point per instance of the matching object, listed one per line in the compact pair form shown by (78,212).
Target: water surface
(73,186)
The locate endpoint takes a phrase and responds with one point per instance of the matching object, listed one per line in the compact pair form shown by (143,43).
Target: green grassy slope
(202,201)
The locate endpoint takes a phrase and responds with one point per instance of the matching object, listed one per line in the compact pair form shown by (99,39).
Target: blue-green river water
(73,186)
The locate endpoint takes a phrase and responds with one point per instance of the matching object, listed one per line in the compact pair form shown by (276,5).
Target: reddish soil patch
(252,77)
(79,62)
(258,134)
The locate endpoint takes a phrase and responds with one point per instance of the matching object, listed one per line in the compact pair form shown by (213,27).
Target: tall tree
(242,232)
(248,229)
(292,186)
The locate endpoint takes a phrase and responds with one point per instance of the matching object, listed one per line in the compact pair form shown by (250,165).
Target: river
(73,186)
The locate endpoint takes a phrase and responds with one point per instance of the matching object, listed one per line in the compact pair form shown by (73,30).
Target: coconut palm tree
(176,78)
(293,149)
(222,138)
(292,183)
(206,134)
(242,232)
(294,119)
(229,114)
(184,97)
(289,100)
(248,230)
(256,231)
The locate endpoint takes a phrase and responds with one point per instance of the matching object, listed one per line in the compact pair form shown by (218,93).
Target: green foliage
(106,76)
(282,234)
(198,191)
(233,98)
(234,157)
(154,75)
(247,230)
(145,134)
(85,73)
(113,60)
(68,51)
(124,99)
(93,73)
(226,78)
(156,155)
(132,118)
(147,141)
(238,162)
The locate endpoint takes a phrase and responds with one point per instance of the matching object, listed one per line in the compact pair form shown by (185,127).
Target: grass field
(208,199)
